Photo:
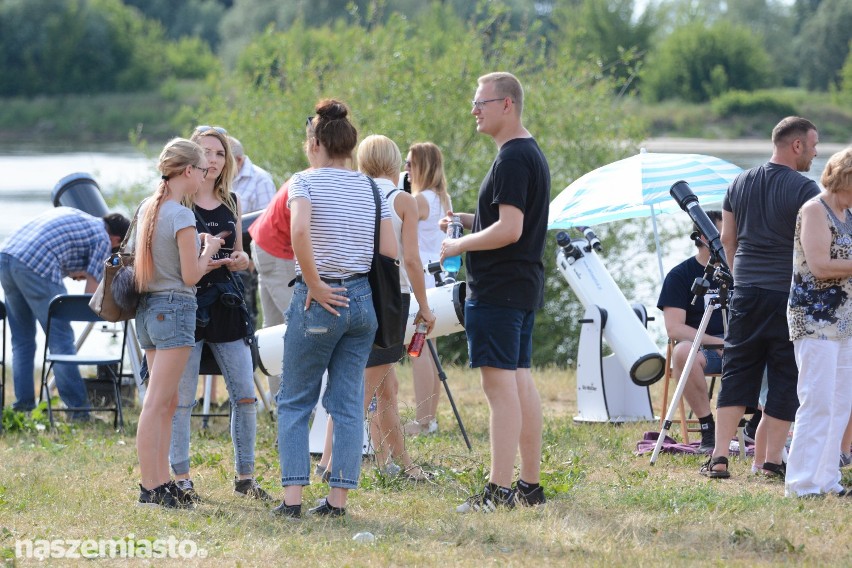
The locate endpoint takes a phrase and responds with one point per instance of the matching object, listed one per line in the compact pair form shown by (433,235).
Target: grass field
(606,507)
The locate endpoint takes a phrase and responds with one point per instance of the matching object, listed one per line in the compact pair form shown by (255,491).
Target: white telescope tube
(446,302)
(623,330)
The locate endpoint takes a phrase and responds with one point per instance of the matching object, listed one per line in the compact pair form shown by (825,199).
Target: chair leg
(45,394)
(118,421)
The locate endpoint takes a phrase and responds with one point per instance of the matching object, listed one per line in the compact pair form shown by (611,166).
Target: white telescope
(603,391)
(446,302)
(623,330)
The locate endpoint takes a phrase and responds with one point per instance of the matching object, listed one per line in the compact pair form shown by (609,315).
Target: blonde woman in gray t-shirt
(165,318)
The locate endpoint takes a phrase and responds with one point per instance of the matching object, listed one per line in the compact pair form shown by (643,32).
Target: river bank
(732,146)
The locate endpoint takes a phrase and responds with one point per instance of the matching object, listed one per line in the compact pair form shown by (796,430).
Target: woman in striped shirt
(331,322)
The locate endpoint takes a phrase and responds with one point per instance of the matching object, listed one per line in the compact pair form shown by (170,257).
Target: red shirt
(271,231)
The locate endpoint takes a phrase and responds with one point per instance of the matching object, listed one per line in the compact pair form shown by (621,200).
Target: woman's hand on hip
(327,297)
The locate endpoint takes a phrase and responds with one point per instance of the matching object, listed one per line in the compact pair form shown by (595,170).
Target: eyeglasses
(479,105)
(203,171)
(205,128)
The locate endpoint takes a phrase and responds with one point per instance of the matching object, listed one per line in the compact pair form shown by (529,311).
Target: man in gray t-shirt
(759,218)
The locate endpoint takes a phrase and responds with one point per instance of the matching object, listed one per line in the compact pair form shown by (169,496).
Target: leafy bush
(190,58)
(696,63)
(735,103)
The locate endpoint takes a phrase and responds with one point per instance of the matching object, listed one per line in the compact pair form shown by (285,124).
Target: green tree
(182,18)
(823,44)
(55,47)
(75,46)
(412,80)
(696,63)
(607,32)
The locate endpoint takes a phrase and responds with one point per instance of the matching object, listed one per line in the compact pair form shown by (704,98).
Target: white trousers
(825,401)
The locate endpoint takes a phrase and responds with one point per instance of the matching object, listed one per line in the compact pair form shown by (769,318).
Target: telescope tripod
(443,376)
(434,268)
(699,288)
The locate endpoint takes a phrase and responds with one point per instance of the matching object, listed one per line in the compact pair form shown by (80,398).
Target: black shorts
(758,338)
(395,352)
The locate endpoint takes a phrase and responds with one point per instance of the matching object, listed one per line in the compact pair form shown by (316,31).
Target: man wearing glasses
(505,279)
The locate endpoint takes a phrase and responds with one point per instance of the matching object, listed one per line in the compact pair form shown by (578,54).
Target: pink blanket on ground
(649,441)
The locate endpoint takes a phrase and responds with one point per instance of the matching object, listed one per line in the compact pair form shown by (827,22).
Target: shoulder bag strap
(130,228)
(378,216)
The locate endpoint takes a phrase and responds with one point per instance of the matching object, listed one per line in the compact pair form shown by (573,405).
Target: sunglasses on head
(204,128)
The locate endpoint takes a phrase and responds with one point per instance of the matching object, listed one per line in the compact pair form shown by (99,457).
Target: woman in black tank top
(222,323)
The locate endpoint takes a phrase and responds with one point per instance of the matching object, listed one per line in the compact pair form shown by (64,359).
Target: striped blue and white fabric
(343,217)
(639,187)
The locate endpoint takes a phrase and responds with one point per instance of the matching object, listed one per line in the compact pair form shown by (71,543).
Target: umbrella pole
(657,243)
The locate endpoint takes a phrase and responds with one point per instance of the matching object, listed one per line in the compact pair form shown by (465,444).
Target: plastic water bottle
(417,340)
(454,230)
(364,538)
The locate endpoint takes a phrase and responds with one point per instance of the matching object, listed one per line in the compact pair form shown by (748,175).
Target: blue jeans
(28,297)
(234,359)
(316,340)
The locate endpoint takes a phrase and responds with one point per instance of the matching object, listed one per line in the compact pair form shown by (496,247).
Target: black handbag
(384,283)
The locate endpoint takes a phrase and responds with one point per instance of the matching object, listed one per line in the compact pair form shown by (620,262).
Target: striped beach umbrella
(639,187)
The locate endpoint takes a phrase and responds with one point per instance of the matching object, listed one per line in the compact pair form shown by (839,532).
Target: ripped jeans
(234,359)
(316,340)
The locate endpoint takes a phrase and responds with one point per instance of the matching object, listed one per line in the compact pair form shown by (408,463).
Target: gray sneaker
(250,488)
(845,459)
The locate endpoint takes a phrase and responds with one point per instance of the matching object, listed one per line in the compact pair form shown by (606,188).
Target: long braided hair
(177,155)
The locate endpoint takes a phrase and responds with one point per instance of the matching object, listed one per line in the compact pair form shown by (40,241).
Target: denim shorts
(713,357)
(166,320)
(498,336)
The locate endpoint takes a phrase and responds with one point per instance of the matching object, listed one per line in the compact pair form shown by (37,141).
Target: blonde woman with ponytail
(165,319)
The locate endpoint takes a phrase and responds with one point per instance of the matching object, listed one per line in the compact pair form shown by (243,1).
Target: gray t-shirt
(765,201)
(167,274)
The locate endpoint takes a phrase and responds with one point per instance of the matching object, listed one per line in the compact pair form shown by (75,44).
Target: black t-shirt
(765,202)
(226,323)
(512,276)
(218,220)
(677,293)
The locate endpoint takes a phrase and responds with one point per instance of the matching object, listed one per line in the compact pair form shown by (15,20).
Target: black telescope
(687,201)
(594,241)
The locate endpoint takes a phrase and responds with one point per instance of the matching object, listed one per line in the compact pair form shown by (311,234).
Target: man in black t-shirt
(682,319)
(758,221)
(505,286)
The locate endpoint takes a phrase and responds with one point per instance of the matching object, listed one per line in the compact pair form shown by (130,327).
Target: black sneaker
(184,491)
(325,509)
(492,497)
(250,488)
(288,511)
(160,496)
(532,499)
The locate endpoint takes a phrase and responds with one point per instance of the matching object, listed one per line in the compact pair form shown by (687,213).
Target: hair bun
(330,109)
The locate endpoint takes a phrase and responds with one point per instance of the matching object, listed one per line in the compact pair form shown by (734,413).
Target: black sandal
(775,471)
(708,471)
